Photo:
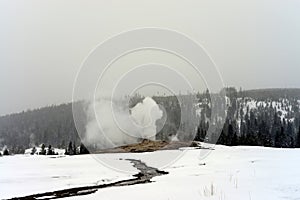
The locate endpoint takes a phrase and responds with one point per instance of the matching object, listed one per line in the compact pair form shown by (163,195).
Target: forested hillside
(256,117)
(259,117)
(49,125)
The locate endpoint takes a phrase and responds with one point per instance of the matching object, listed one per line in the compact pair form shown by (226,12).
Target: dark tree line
(272,121)
(72,149)
(256,117)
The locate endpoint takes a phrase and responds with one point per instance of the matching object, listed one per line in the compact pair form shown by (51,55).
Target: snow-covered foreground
(23,175)
(227,173)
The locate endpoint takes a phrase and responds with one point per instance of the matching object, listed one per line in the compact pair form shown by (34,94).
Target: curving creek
(144,176)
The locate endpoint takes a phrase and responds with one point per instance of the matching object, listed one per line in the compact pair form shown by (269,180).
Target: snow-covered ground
(227,173)
(22,175)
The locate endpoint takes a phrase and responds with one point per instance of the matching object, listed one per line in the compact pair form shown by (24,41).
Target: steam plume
(112,124)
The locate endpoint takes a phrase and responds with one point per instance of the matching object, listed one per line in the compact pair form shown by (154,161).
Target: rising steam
(112,123)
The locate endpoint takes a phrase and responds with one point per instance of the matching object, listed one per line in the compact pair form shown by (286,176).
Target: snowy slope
(232,173)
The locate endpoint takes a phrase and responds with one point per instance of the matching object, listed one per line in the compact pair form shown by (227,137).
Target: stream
(144,176)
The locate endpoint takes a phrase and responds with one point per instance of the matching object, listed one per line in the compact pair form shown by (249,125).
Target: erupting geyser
(110,124)
(145,115)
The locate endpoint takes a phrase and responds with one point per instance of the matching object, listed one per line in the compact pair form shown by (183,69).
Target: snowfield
(227,173)
(23,175)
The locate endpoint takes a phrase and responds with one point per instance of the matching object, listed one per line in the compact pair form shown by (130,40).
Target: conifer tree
(74,149)
(5,152)
(33,151)
(43,150)
(298,139)
(69,150)
(50,151)
(83,149)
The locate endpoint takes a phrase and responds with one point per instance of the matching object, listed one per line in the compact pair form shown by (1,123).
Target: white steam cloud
(112,124)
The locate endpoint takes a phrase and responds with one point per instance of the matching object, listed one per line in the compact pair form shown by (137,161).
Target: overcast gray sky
(255,43)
